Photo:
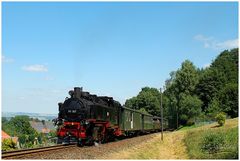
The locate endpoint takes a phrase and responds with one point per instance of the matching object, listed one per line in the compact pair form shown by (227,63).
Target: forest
(192,95)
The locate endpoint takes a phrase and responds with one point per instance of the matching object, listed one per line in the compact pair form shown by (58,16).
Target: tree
(219,82)
(170,81)
(4,120)
(211,81)
(43,122)
(180,87)
(227,63)
(149,102)
(186,78)
(132,103)
(170,105)
(4,123)
(147,99)
(143,111)
(228,99)
(20,126)
(213,108)
(190,107)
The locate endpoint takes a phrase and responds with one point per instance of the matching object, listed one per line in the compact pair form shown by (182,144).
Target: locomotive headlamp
(86,122)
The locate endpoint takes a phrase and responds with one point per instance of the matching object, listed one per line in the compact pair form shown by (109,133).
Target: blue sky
(111,49)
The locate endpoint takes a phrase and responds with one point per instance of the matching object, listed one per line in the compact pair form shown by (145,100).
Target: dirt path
(171,148)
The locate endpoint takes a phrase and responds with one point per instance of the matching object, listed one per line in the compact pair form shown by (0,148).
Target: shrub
(221,117)
(197,143)
(212,143)
(8,144)
(183,119)
(190,122)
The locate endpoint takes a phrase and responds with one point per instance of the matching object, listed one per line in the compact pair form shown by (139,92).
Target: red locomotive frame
(78,131)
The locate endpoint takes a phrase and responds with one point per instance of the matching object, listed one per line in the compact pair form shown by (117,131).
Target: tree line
(192,93)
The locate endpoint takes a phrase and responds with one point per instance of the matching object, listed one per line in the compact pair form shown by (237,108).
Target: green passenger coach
(133,121)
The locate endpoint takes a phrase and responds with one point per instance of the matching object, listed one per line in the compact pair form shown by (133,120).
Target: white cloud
(229,44)
(211,42)
(7,60)
(35,68)
(206,65)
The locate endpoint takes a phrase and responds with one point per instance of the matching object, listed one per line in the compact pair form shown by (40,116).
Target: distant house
(45,130)
(41,127)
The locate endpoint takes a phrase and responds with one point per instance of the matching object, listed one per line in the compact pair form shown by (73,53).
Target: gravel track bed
(89,152)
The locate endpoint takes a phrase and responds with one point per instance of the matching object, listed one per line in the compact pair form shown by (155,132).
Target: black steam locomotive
(85,118)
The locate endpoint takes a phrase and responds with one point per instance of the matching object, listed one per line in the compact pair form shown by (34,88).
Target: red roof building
(5,135)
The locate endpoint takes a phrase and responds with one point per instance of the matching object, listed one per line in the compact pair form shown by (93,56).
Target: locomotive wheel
(59,141)
(102,139)
(90,141)
(80,143)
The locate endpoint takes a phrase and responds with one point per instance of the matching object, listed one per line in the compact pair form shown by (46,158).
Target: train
(86,118)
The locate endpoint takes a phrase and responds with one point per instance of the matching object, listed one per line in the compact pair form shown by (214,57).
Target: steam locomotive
(85,118)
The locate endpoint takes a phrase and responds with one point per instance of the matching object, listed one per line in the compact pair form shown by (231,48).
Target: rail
(15,153)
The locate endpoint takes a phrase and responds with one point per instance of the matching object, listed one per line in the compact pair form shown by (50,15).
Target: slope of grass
(172,147)
(213,142)
(183,144)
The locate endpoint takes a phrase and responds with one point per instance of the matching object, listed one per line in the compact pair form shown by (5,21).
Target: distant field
(40,116)
(183,144)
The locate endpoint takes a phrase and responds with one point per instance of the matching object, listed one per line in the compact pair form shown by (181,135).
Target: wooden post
(161,116)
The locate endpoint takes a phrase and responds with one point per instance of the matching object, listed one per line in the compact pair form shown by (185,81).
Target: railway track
(15,153)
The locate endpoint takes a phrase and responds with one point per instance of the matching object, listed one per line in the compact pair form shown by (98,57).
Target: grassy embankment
(186,144)
(213,142)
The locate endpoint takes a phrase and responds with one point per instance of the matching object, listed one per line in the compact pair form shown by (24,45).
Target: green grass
(194,141)
(187,127)
(194,126)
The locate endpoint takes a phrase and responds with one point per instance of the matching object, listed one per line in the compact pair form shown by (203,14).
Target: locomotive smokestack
(77,92)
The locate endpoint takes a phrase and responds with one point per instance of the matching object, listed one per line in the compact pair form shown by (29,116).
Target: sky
(108,48)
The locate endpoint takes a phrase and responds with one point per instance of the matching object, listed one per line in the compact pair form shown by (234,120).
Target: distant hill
(40,116)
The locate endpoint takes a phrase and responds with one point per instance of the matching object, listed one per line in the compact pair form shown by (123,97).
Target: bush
(221,118)
(8,144)
(183,119)
(212,143)
(217,143)
(190,122)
